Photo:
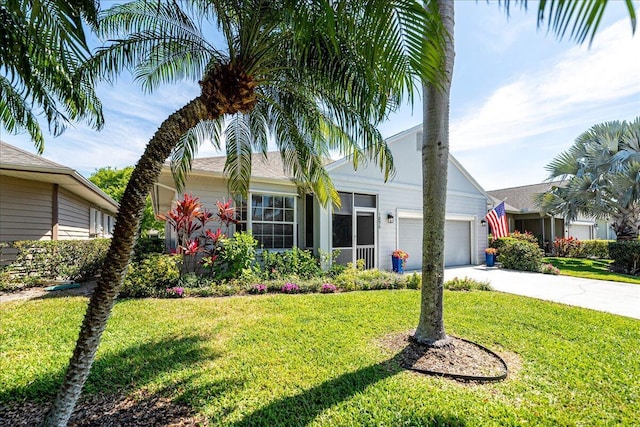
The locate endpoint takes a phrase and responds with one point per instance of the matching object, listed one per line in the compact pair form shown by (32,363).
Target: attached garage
(457,246)
(457,243)
(580,231)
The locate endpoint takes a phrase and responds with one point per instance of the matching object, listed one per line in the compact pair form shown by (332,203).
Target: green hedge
(519,254)
(595,249)
(625,256)
(151,277)
(42,261)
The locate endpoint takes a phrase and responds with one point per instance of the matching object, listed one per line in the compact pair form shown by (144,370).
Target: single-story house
(43,200)
(524,214)
(374,219)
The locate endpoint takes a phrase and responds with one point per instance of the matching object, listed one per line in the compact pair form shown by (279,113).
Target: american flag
(497,219)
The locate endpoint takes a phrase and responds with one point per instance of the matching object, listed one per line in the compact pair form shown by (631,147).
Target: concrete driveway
(611,297)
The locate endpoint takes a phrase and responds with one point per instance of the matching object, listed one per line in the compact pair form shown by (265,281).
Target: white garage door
(580,232)
(457,247)
(410,241)
(457,244)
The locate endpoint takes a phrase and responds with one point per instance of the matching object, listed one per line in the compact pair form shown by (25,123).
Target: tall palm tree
(42,44)
(579,17)
(313,75)
(600,174)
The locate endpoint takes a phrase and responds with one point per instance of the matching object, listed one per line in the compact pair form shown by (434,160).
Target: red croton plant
(189,218)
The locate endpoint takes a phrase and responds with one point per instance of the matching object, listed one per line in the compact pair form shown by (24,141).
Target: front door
(365,237)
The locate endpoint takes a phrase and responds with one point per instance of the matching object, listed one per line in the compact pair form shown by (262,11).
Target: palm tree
(582,18)
(314,76)
(600,178)
(42,45)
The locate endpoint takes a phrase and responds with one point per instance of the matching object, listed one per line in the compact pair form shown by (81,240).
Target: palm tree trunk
(626,222)
(113,270)
(435,161)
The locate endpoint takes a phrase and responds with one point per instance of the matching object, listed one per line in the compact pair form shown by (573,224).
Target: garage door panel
(580,232)
(457,245)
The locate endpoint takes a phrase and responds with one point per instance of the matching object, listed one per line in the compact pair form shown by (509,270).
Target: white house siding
(73,216)
(402,196)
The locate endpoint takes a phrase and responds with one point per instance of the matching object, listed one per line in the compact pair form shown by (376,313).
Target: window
(271,219)
(95,222)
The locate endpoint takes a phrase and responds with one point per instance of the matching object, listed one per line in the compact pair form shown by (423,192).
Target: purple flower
(175,292)
(259,288)
(290,288)
(328,288)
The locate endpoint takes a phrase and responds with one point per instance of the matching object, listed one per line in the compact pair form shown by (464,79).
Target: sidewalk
(602,295)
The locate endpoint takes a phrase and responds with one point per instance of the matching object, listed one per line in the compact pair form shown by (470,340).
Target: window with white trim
(270,217)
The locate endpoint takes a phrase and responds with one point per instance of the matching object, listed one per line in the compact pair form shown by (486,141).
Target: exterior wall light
(390,218)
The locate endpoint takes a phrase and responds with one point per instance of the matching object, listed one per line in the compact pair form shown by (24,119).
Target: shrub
(357,279)
(299,262)
(414,281)
(467,284)
(595,249)
(290,288)
(237,255)
(175,292)
(567,247)
(625,256)
(259,288)
(549,269)
(147,245)
(42,261)
(520,255)
(328,288)
(151,277)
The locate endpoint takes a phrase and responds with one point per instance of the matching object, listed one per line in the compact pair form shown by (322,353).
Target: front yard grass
(316,360)
(589,269)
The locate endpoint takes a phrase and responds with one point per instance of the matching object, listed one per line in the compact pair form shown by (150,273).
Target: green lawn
(315,359)
(589,269)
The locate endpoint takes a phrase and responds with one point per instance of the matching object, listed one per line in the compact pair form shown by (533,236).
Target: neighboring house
(43,200)
(524,214)
(375,217)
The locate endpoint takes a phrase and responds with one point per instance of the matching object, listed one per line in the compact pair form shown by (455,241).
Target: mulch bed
(139,409)
(458,357)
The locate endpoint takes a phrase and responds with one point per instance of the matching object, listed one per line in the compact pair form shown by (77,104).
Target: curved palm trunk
(435,161)
(142,179)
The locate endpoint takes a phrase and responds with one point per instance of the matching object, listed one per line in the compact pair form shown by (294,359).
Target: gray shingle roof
(521,197)
(10,155)
(271,168)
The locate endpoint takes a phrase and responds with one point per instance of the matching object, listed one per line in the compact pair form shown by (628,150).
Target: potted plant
(490,256)
(399,260)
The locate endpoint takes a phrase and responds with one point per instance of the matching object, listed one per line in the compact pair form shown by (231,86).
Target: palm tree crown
(42,44)
(601,174)
(305,77)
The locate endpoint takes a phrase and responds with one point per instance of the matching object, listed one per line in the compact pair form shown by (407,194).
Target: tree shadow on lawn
(133,367)
(302,409)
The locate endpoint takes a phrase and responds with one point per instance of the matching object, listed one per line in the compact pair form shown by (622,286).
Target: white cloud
(580,84)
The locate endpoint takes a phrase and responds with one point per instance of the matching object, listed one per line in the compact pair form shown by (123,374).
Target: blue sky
(519,97)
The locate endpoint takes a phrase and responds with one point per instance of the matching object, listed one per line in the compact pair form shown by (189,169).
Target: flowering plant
(328,288)
(175,292)
(491,251)
(259,288)
(290,288)
(400,254)
(550,269)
